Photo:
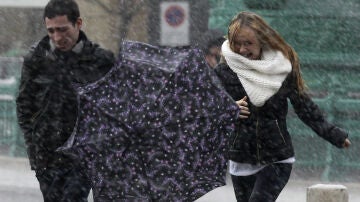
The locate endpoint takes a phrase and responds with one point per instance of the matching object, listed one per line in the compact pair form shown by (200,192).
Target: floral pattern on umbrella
(155,127)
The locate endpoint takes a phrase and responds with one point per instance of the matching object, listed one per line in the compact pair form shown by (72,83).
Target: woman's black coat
(263,137)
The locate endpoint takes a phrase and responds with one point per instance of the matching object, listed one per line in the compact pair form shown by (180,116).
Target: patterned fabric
(155,127)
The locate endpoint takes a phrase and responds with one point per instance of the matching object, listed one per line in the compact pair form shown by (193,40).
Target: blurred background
(324,33)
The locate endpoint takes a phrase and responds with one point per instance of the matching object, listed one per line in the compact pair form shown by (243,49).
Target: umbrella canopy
(155,127)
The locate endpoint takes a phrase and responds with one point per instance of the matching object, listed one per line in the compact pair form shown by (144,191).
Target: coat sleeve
(313,117)
(26,109)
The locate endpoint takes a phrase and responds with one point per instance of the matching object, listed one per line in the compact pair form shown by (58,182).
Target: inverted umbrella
(154,128)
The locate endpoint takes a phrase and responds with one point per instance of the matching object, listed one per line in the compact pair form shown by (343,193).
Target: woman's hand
(244,110)
(347,143)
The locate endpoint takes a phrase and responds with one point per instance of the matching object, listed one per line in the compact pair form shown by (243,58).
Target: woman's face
(247,44)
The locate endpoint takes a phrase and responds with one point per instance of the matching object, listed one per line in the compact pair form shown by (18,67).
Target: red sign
(175,15)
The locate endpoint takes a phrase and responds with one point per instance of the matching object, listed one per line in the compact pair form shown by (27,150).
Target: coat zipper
(35,115)
(257,138)
(282,136)
(38,114)
(233,144)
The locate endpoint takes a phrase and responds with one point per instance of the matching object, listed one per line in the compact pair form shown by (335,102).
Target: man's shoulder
(32,48)
(222,68)
(31,52)
(91,47)
(96,48)
(225,74)
(36,48)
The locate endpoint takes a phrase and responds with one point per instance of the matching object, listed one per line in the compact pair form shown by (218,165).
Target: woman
(262,67)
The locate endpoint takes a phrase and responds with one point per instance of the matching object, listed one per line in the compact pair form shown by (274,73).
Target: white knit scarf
(261,79)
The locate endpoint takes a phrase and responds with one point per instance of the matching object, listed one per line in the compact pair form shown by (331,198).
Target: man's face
(62,32)
(213,57)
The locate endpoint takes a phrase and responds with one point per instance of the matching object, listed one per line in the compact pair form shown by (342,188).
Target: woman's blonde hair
(268,38)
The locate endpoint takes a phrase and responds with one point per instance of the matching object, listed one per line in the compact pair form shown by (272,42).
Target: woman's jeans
(264,186)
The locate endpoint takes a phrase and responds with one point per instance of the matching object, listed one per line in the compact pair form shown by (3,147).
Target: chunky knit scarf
(261,79)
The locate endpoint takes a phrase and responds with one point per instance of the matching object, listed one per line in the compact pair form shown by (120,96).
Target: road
(18,183)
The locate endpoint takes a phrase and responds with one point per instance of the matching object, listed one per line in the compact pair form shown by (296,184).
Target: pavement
(18,183)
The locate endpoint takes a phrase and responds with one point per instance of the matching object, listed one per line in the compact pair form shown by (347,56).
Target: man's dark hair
(216,42)
(211,38)
(62,7)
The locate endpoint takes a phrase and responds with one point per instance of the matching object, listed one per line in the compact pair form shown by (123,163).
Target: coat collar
(45,48)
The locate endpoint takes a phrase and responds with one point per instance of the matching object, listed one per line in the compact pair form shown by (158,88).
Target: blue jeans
(264,186)
(63,184)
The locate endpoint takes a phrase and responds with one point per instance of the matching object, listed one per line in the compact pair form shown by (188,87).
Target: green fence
(11,140)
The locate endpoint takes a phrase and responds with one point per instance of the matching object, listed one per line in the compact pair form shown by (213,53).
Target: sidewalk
(18,183)
(295,191)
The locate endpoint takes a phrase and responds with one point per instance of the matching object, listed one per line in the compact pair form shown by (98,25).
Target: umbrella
(155,127)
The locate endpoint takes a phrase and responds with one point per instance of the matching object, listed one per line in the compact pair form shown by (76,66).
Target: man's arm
(26,107)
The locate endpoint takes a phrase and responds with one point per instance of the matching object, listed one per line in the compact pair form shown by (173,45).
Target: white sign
(174,23)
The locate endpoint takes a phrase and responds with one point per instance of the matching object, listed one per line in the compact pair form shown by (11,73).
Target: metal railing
(11,141)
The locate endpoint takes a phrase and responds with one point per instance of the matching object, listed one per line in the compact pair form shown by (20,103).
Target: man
(212,47)
(47,100)
(213,51)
